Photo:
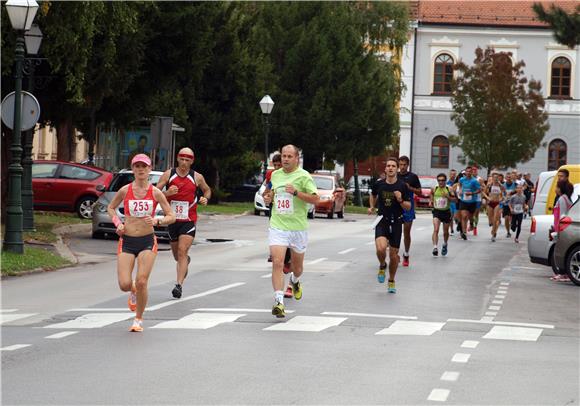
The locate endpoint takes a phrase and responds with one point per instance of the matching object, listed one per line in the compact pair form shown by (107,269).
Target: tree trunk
(66,144)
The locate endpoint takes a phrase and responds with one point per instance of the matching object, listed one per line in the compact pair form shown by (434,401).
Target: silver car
(102,223)
(567,247)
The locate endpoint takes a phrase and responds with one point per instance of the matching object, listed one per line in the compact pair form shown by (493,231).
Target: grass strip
(33,258)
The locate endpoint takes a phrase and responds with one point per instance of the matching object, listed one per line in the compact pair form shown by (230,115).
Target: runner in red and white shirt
(182,185)
(139,199)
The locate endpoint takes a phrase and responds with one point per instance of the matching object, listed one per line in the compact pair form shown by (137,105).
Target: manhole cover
(217,240)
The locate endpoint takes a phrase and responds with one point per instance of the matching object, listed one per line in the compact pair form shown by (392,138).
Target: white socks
(294,279)
(279,296)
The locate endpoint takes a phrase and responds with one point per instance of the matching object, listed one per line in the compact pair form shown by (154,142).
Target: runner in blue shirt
(470,188)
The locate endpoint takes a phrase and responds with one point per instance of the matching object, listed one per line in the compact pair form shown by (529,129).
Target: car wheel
(331,213)
(552,261)
(256,212)
(310,214)
(85,207)
(573,265)
(97,235)
(340,214)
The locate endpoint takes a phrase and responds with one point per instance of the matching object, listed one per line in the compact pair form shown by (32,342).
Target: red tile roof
(489,13)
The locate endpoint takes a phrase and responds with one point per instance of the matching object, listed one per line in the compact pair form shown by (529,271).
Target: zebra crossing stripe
(199,321)
(514,333)
(307,323)
(7,318)
(406,327)
(93,320)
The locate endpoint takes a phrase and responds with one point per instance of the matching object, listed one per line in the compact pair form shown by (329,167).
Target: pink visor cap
(141,158)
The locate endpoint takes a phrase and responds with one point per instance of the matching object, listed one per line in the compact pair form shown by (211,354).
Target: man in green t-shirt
(291,190)
(441,198)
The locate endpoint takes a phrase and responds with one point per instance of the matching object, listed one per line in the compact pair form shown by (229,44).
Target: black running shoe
(463,236)
(435,252)
(176,292)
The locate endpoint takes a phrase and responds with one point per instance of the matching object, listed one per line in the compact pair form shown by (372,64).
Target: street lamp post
(21,14)
(33,39)
(266,104)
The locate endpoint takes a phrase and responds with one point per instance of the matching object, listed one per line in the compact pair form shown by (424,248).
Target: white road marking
(505,323)
(416,328)
(502,288)
(439,395)
(504,283)
(487,318)
(491,313)
(198,295)
(460,358)
(316,261)
(497,302)
(7,318)
(15,347)
(307,323)
(370,243)
(8,310)
(98,309)
(346,251)
(93,320)
(200,321)
(494,307)
(62,334)
(514,333)
(469,344)
(450,376)
(386,316)
(500,296)
(225,309)
(421,228)
(268,275)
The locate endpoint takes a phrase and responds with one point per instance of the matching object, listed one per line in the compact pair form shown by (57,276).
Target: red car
(427,184)
(332,197)
(67,186)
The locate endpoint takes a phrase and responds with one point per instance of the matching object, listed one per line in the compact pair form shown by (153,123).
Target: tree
(566,26)
(499,114)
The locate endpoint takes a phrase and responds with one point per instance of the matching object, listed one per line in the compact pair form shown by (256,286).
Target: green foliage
(566,26)
(498,113)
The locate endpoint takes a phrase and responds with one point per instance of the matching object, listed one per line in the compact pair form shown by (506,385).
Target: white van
(542,190)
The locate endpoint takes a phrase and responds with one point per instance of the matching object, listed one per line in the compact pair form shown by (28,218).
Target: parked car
(427,183)
(567,247)
(102,223)
(332,197)
(259,205)
(540,244)
(67,186)
(542,188)
(365,183)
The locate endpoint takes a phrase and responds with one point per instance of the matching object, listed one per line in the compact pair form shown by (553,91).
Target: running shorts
(391,230)
(181,228)
(135,245)
(470,207)
(443,215)
(408,215)
(297,240)
(493,205)
(506,212)
(478,204)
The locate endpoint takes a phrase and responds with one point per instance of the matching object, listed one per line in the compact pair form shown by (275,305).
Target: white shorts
(297,240)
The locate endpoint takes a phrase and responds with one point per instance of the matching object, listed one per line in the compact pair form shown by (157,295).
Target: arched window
(440,152)
(443,73)
(557,152)
(561,73)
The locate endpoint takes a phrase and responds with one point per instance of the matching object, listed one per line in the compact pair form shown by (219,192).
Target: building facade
(445,36)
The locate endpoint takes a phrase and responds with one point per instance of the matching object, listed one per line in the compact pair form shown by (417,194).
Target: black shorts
(443,215)
(135,245)
(391,229)
(470,207)
(181,228)
(506,212)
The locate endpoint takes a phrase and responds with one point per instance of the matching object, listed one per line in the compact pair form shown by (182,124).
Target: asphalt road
(481,326)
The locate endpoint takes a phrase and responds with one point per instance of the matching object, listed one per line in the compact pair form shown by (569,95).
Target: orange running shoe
(137,326)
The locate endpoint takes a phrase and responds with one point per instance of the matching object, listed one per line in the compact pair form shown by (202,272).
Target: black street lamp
(33,39)
(21,14)
(266,104)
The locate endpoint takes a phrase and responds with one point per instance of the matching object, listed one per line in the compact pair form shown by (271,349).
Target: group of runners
(289,190)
